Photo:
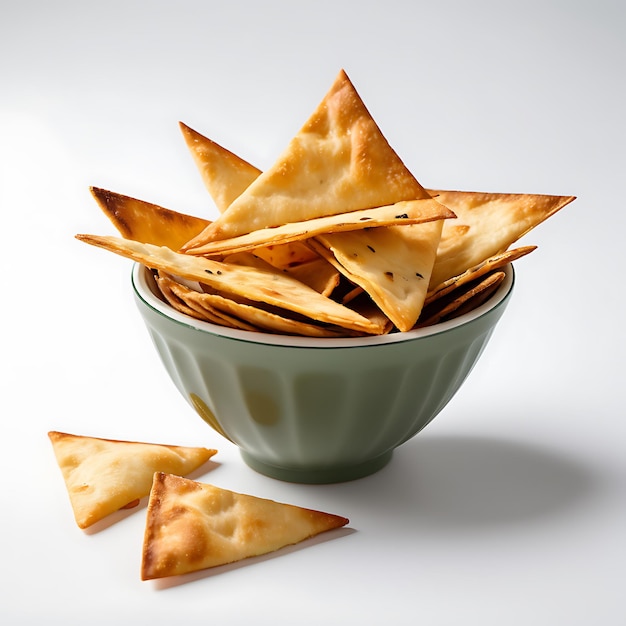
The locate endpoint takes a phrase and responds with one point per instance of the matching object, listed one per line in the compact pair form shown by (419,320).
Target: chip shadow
(472,482)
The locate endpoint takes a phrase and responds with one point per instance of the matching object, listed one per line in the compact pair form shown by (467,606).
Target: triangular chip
(486,224)
(225,175)
(274,288)
(471,274)
(365,258)
(147,222)
(192,526)
(209,306)
(338,162)
(461,300)
(406,212)
(317,273)
(170,289)
(288,255)
(105,475)
(393,265)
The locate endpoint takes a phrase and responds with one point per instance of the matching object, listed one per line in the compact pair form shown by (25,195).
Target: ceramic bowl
(316,410)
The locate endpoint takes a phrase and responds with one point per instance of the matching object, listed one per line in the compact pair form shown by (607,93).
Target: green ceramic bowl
(316,410)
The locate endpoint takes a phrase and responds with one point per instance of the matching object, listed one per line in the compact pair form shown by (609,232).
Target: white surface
(511,507)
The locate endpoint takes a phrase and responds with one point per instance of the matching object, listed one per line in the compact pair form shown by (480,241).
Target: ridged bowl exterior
(311,410)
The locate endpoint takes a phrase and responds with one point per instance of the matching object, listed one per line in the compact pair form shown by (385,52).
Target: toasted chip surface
(244,315)
(192,526)
(476,271)
(393,265)
(486,224)
(225,175)
(461,300)
(338,162)
(273,288)
(338,195)
(146,222)
(406,212)
(105,475)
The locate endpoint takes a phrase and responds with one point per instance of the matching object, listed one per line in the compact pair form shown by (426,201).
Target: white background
(510,508)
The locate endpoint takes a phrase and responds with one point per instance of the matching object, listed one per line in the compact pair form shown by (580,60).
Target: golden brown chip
(178,297)
(480,269)
(338,195)
(191,526)
(402,213)
(165,284)
(460,300)
(392,265)
(285,256)
(317,273)
(486,224)
(225,175)
(273,288)
(488,288)
(105,475)
(250,317)
(146,222)
(363,304)
(338,162)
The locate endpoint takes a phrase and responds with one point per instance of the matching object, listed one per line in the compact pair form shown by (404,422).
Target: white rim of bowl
(142,277)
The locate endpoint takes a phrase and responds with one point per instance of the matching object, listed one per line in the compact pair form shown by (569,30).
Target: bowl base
(321,475)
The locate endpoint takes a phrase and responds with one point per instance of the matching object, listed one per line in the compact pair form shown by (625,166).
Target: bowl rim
(141,279)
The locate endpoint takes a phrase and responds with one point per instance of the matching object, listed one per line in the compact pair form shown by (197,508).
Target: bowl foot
(325,475)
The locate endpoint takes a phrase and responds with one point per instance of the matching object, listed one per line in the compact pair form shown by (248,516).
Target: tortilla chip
(393,265)
(317,273)
(165,285)
(273,288)
(404,213)
(363,304)
(251,317)
(461,300)
(338,162)
(105,475)
(484,267)
(225,175)
(146,222)
(486,224)
(285,256)
(192,526)
(176,296)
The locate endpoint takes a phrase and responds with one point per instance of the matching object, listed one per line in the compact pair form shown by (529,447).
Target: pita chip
(274,288)
(487,266)
(105,475)
(393,265)
(486,224)
(191,526)
(175,294)
(146,222)
(238,314)
(338,162)
(225,175)
(405,212)
(461,300)
(316,273)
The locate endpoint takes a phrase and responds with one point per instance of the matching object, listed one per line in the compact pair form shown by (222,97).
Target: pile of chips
(336,239)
